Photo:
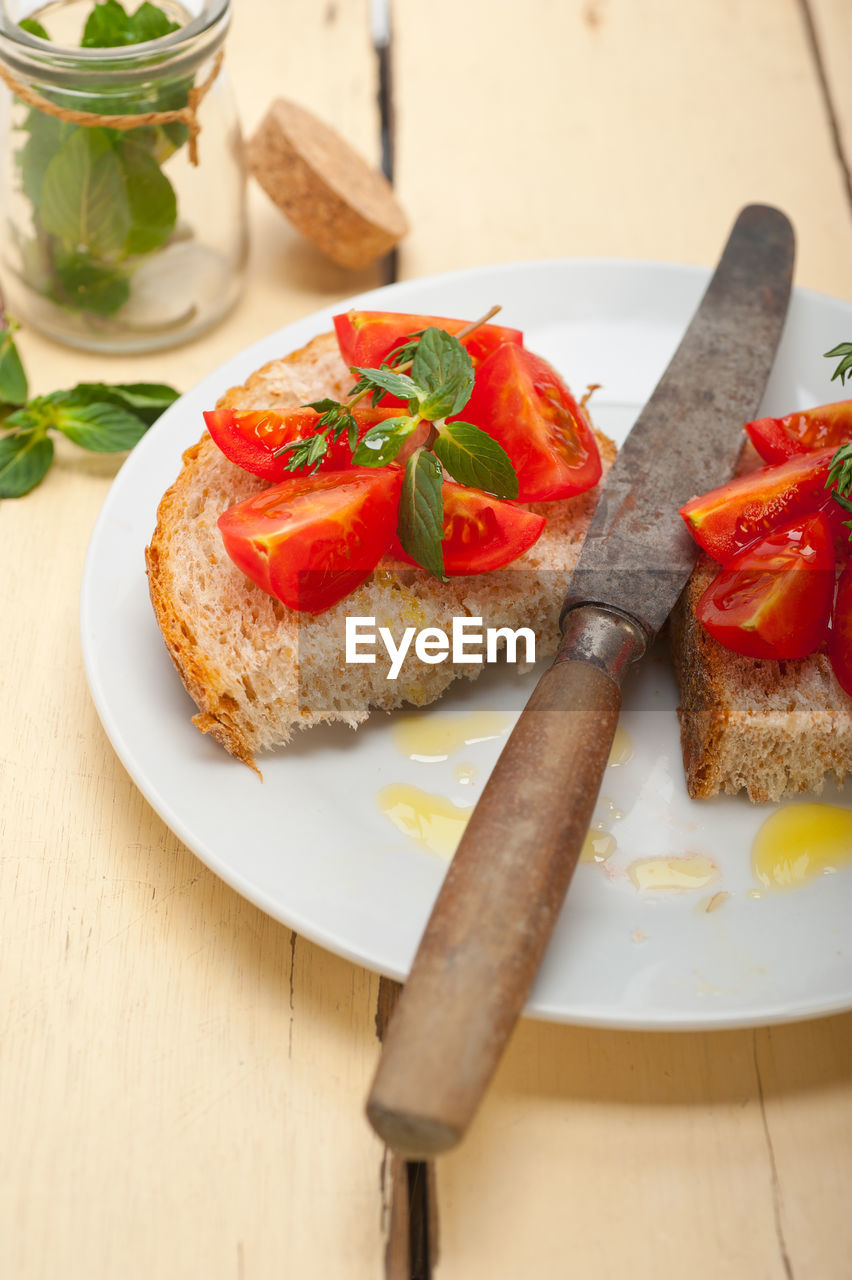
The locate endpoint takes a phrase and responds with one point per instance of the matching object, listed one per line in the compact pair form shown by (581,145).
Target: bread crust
(751,724)
(255,669)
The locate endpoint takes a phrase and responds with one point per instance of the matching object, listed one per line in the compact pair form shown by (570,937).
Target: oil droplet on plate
(673,873)
(433,821)
(801,842)
(597,846)
(465,774)
(433,738)
(621,749)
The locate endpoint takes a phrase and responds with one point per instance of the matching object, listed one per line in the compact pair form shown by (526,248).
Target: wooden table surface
(181,1078)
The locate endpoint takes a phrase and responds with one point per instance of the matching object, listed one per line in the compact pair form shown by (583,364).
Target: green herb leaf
(85,284)
(107,27)
(383,442)
(444,370)
(385,379)
(24,461)
(421,512)
(102,428)
(83,199)
(844,349)
(151,198)
(34,27)
(473,458)
(146,399)
(150,23)
(13,380)
(45,135)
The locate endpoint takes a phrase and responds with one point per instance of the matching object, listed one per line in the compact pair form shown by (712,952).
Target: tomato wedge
(250,437)
(727,519)
(365,338)
(310,540)
(481,533)
(777,439)
(522,402)
(840,635)
(773,599)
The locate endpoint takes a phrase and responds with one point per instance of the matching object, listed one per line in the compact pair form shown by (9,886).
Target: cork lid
(327,190)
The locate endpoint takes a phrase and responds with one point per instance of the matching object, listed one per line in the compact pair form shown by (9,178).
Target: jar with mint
(123,179)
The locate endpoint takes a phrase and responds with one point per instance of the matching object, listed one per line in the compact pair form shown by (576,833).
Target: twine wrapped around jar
(187,115)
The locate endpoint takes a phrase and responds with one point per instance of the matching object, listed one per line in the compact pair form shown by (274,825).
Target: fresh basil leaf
(444,369)
(146,399)
(151,197)
(383,442)
(102,428)
(385,379)
(150,23)
(107,27)
(34,27)
(83,199)
(24,461)
(13,380)
(421,512)
(86,285)
(473,458)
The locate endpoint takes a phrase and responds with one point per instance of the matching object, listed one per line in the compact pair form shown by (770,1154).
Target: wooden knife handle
(502,894)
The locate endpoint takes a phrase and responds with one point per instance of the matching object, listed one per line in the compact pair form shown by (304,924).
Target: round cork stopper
(327,190)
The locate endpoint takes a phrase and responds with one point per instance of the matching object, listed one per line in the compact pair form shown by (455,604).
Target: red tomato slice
(773,600)
(727,519)
(250,437)
(310,540)
(522,402)
(365,338)
(777,439)
(840,635)
(481,533)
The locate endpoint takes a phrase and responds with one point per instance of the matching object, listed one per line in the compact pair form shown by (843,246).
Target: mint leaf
(24,461)
(107,27)
(150,23)
(146,399)
(473,458)
(151,198)
(13,380)
(382,443)
(102,428)
(443,368)
(34,27)
(83,198)
(385,379)
(845,350)
(45,135)
(421,512)
(83,283)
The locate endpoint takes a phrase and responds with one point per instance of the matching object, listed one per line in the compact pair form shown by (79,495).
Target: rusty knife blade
(638,555)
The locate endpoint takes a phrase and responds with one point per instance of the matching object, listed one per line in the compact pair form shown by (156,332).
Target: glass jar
(120,236)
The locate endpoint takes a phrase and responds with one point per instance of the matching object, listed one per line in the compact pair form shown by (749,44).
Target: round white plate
(310,844)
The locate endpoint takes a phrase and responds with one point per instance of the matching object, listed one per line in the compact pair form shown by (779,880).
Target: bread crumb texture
(257,670)
(768,728)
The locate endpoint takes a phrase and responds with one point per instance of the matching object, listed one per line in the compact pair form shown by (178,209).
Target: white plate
(310,845)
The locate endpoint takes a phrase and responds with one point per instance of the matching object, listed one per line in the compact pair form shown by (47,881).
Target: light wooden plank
(608,128)
(181,1091)
(831,25)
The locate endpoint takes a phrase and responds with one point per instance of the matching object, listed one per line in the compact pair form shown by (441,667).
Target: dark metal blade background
(638,554)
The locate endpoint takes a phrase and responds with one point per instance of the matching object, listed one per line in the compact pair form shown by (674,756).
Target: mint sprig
(96,416)
(438,385)
(100,199)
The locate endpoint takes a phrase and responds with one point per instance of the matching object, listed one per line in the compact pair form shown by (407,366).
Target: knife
(503,891)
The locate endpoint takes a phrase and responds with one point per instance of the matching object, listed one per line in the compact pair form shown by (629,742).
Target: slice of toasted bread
(256,669)
(769,728)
